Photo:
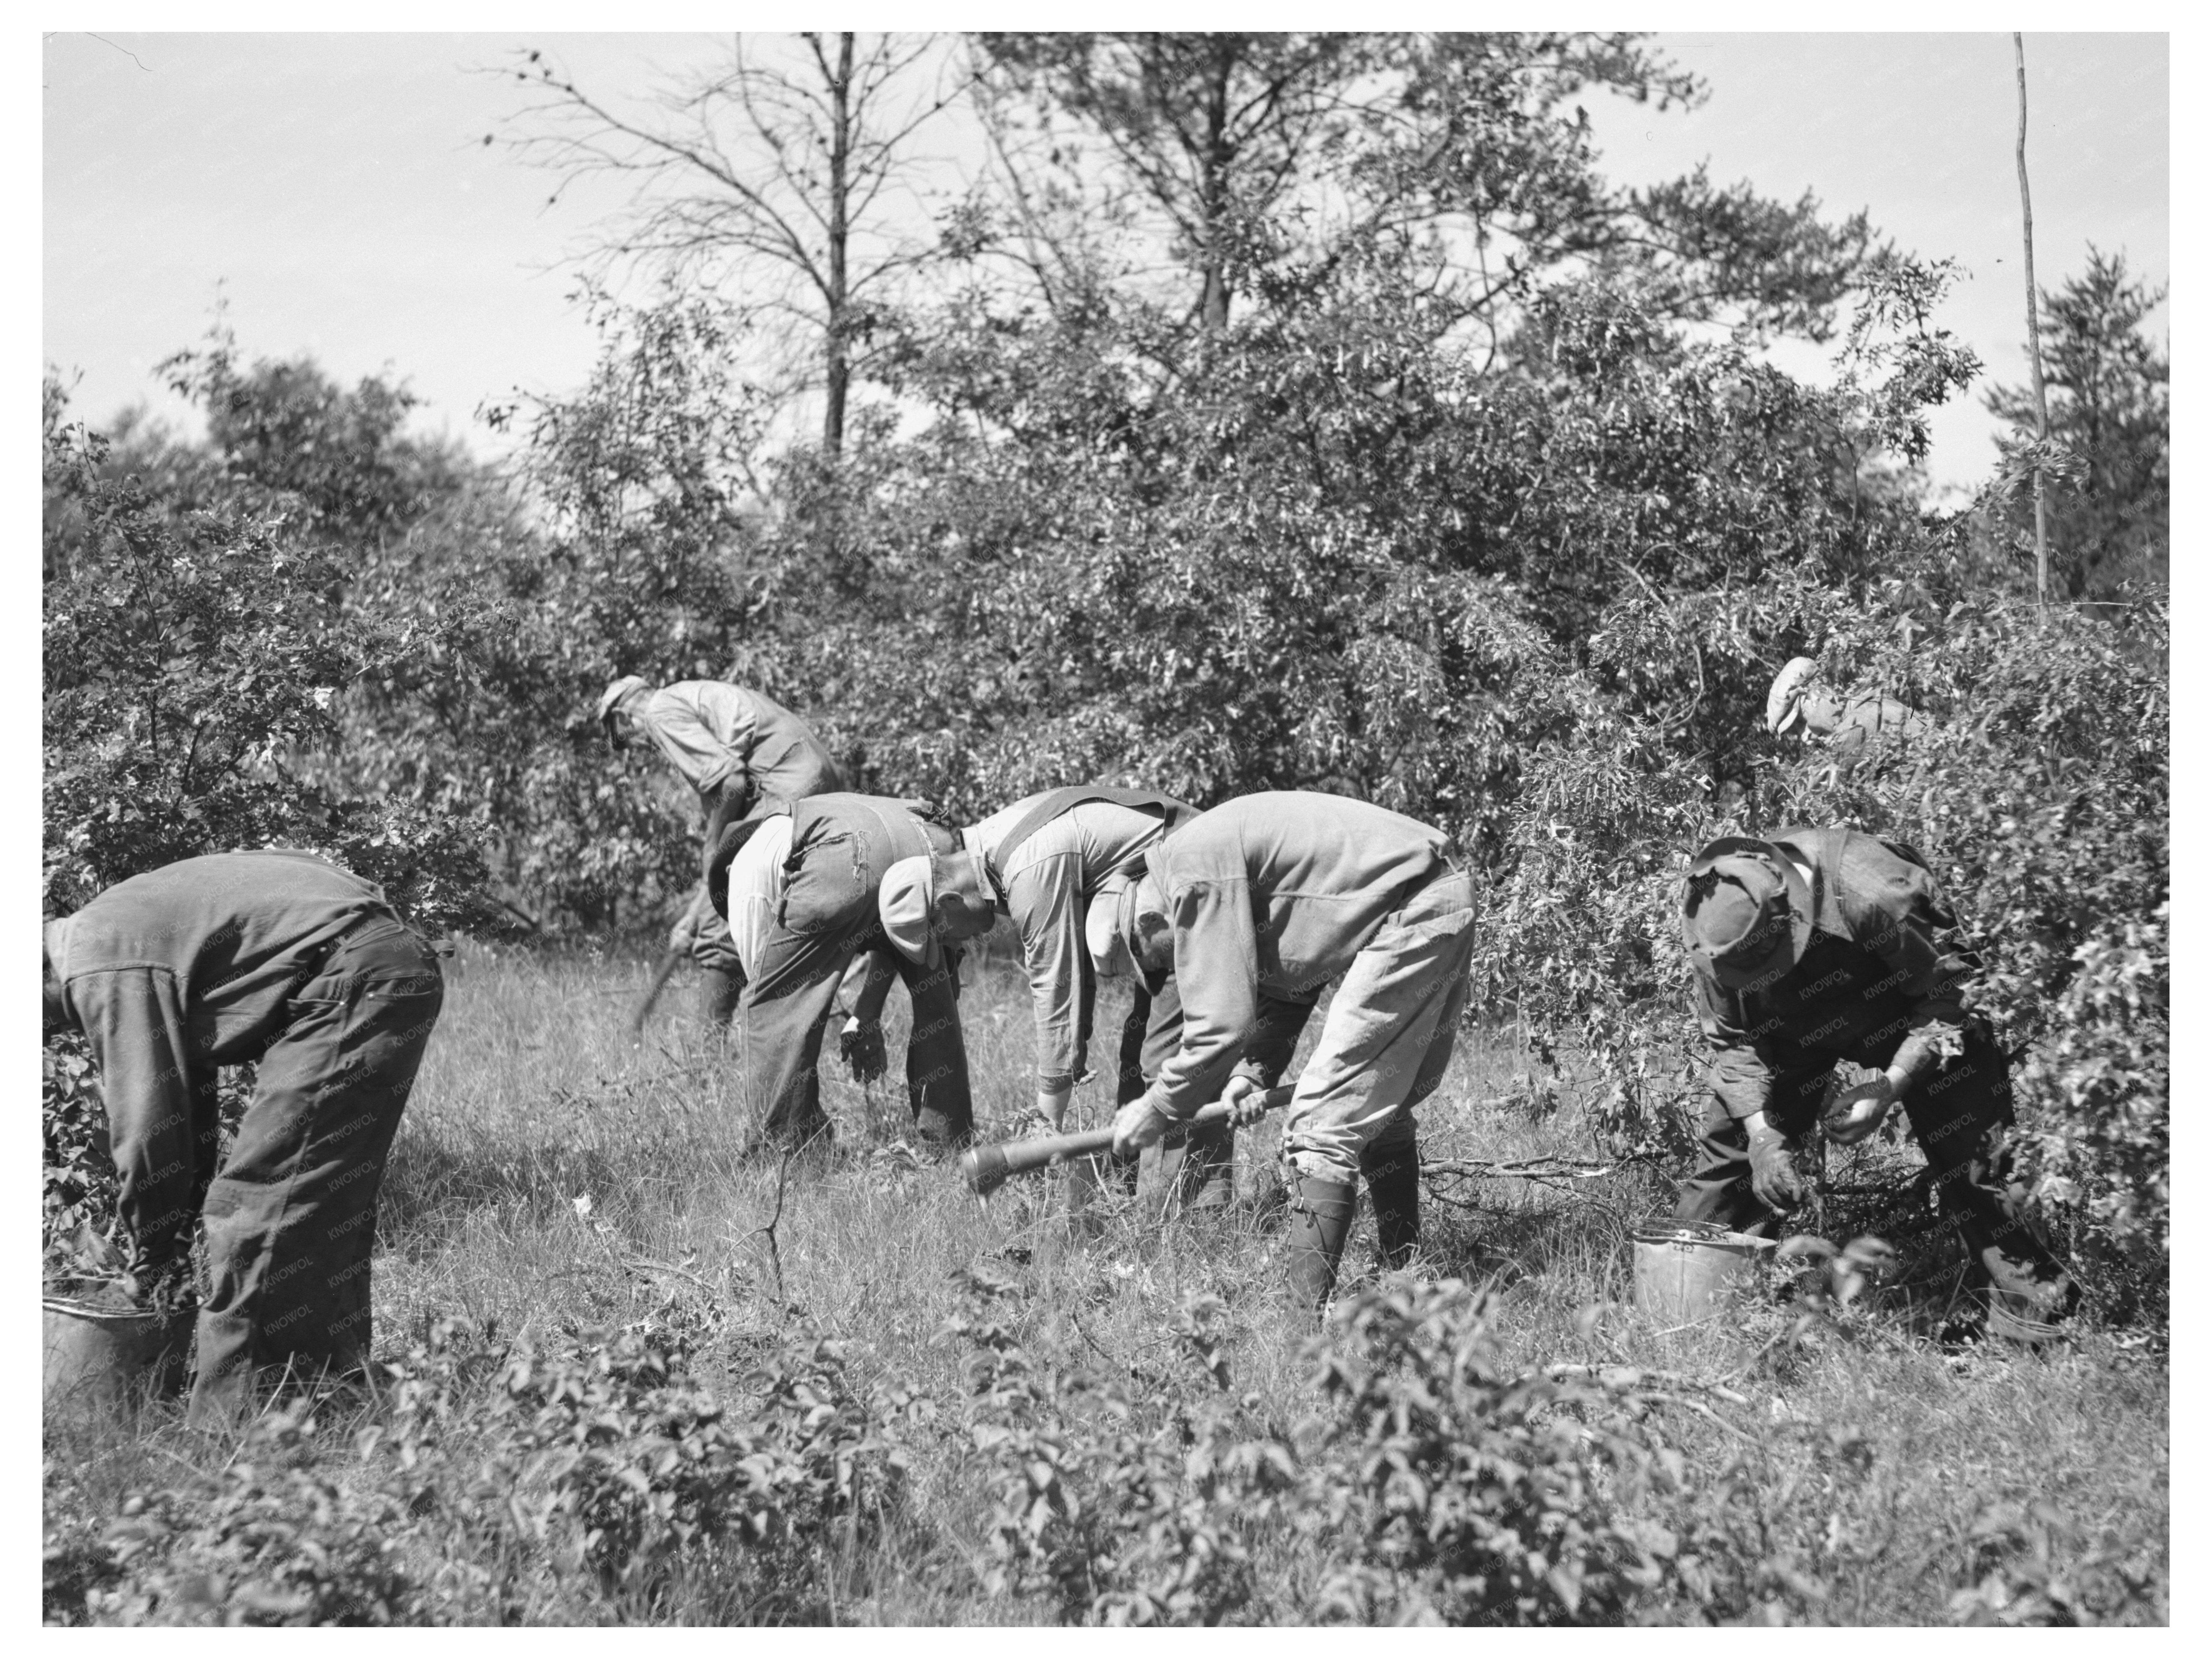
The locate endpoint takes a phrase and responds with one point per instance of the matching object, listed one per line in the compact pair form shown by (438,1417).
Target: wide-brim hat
(1747,912)
(1788,692)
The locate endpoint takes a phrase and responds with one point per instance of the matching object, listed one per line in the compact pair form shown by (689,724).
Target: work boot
(1321,1215)
(1394,1187)
(718,997)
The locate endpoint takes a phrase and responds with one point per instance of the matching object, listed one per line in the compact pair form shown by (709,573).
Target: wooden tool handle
(986,1169)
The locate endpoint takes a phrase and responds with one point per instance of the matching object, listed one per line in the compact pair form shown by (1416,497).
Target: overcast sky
(337,191)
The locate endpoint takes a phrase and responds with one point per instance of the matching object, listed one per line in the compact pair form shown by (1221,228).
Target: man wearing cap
(735,747)
(1047,862)
(273,957)
(1813,946)
(824,914)
(1800,701)
(1255,907)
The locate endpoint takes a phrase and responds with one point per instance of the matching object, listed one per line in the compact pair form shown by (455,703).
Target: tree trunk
(838,369)
(2035,332)
(1214,304)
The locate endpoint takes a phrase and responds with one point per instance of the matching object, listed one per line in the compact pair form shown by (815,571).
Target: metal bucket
(1685,1270)
(102,1354)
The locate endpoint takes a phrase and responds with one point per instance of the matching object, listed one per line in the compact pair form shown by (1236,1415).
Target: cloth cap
(611,699)
(1141,894)
(931,898)
(1102,933)
(1787,692)
(903,903)
(1747,914)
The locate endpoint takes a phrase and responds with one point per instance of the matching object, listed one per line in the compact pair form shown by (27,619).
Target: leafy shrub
(278,1541)
(1095,1501)
(195,664)
(622,1462)
(2032,1566)
(1477,1496)
(594,1481)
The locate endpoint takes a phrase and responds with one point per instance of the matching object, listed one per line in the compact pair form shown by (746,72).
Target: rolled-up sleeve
(1894,910)
(159,1103)
(1217,969)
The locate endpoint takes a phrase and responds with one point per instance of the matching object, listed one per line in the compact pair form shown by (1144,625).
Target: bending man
(1255,907)
(1816,945)
(278,957)
(1043,861)
(824,915)
(735,747)
(1800,701)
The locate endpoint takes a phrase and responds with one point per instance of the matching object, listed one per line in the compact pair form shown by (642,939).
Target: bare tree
(793,168)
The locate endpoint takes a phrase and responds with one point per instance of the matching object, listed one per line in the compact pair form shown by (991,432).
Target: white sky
(338,188)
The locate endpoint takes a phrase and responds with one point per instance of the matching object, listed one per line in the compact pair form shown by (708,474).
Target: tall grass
(550,1181)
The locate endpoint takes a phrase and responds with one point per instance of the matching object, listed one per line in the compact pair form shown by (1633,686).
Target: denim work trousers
(828,918)
(1958,1114)
(291,1214)
(1387,1036)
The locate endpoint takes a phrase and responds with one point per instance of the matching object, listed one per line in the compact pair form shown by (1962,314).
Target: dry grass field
(1013,1425)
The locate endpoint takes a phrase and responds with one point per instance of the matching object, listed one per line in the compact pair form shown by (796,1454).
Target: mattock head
(984,1169)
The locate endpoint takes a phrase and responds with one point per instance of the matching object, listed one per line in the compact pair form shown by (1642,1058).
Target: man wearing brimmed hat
(1253,908)
(276,957)
(1800,701)
(825,913)
(735,747)
(1044,861)
(1813,946)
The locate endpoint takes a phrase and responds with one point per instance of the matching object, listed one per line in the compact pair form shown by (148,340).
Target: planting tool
(986,1169)
(667,966)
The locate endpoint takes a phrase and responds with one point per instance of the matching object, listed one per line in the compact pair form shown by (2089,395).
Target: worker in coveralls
(840,847)
(1799,700)
(279,958)
(1253,908)
(735,748)
(1813,946)
(1043,861)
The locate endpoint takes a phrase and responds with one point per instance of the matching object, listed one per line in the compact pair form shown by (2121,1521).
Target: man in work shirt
(1799,700)
(840,847)
(734,747)
(1815,945)
(1255,907)
(279,958)
(1043,861)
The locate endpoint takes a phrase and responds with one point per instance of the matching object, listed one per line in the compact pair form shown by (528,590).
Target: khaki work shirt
(711,732)
(1271,897)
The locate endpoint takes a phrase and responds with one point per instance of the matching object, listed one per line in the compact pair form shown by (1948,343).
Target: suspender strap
(1172,812)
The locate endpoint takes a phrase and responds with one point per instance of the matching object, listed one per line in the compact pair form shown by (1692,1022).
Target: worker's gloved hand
(860,1046)
(1860,1110)
(1774,1178)
(1246,1100)
(1136,1126)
